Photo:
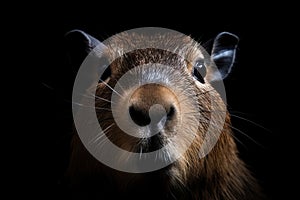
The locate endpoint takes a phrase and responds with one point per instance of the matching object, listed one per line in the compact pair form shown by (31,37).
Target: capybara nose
(153,105)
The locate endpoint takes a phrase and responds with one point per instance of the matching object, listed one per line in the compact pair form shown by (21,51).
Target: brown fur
(219,175)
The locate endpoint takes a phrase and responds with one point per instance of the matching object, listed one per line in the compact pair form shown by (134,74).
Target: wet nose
(154,105)
(157,114)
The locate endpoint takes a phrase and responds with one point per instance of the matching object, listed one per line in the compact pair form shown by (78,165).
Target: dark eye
(103,65)
(199,70)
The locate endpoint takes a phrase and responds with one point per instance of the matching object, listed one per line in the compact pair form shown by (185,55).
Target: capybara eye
(199,70)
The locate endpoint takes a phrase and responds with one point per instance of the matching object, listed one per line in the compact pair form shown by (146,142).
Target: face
(164,109)
(159,99)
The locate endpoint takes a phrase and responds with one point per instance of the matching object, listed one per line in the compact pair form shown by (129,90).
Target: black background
(255,89)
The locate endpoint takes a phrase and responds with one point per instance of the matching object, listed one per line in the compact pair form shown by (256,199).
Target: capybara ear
(223,55)
(79,44)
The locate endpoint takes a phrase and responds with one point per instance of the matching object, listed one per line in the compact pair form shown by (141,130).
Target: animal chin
(153,143)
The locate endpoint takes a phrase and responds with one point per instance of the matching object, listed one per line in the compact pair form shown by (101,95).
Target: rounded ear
(223,55)
(79,44)
(87,56)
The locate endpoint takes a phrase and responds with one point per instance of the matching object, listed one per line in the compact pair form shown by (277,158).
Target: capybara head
(157,99)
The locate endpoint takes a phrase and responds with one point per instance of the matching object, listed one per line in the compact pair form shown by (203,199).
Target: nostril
(139,116)
(171,112)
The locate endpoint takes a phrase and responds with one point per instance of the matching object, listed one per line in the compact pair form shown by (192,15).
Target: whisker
(104,119)
(100,108)
(165,158)
(112,89)
(206,111)
(100,98)
(91,107)
(101,134)
(169,156)
(210,111)
(243,133)
(207,91)
(120,86)
(92,96)
(99,121)
(208,120)
(173,195)
(238,112)
(47,86)
(141,152)
(82,105)
(104,140)
(238,130)
(252,122)
(239,141)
